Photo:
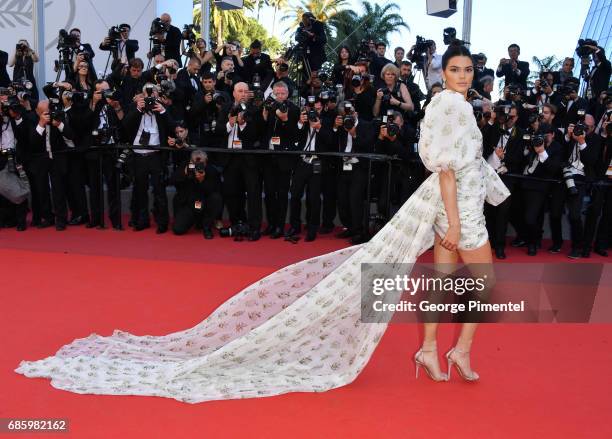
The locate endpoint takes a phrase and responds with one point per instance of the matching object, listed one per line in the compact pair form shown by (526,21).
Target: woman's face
(83,69)
(181,132)
(201,44)
(459,74)
(390,77)
(344,54)
(435,90)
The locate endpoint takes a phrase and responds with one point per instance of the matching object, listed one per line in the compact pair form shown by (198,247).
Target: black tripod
(64,63)
(299,69)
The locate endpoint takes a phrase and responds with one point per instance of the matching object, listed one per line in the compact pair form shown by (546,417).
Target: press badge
(237,143)
(198,205)
(347,166)
(275,141)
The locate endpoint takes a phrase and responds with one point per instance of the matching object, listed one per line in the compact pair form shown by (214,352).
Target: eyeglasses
(84,66)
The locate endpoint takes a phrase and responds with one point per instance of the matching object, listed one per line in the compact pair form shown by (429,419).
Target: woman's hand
(451,239)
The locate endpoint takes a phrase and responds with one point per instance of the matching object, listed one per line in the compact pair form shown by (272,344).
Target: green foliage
(254,31)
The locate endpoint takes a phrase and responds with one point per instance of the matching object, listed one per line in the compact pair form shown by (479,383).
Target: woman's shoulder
(448,101)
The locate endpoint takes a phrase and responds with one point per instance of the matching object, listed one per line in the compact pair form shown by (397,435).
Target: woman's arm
(11,62)
(407,105)
(448,189)
(34,56)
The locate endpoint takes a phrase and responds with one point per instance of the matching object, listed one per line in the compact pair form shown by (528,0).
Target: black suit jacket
(286,131)
(5,80)
(189,190)
(173,44)
(601,78)
(548,169)
(37,146)
(131,47)
(261,65)
(364,142)
(511,77)
(131,124)
(248,136)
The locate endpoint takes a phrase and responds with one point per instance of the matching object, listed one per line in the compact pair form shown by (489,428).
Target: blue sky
(539,27)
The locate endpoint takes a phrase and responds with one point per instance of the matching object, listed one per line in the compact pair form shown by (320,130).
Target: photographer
(205,56)
(226,76)
(198,195)
(599,76)
(407,78)
(206,107)
(543,161)
(353,134)
(362,93)
(311,37)
(431,64)
(180,140)
(378,61)
(22,62)
(343,70)
(513,70)
(257,62)
(128,81)
(241,171)
(13,139)
(5,80)
(188,79)
(600,205)
(147,124)
(281,73)
(83,52)
(47,162)
(280,118)
(171,39)
(104,126)
(480,72)
(122,48)
(584,151)
(566,72)
(397,138)
(394,94)
(503,150)
(572,106)
(314,135)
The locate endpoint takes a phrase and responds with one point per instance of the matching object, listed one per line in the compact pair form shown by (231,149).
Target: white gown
(298,329)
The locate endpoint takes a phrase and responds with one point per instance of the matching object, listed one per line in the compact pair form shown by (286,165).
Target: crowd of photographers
(237,99)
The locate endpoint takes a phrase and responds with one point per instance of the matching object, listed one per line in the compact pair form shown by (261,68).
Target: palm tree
(277,5)
(223,20)
(323,10)
(376,23)
(261,3)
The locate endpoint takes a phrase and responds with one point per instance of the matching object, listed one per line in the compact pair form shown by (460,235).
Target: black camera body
(158,27)
(188,33)
(195,167)
(65,40)
(356,80)
(583,51)
(149,103)
(239,231)
(123,158)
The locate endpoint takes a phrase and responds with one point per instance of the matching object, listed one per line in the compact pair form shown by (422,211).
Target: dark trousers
(329,190)
(509,211)
(12,215)
(574,210)
(149,167)
(535,203)
(110,176)
(558,193)
(599,208)
(77,177)
(43,169)
(352,187)
(186,217)
(37,170)
(305,179)
(240,176)
(276,183)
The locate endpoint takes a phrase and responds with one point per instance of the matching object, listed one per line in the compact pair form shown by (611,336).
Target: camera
(188,33)
(193,168)
(22,88)
(283,67)
(22,47)
(114,35)
(420,52)
(312,115)
(583,51)
(356,80)
(246,110)
(103,135)
(123,158)
(77,97)
(348,120)
(56,109)
(113,95)
(386,97)
(150,102)
(238,231)
(158,27)
(65,40)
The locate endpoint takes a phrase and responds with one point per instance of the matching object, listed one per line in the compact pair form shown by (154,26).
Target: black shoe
(60,227)
(208,234)
(586,253)
(77,221)
(161,229)
(539,244)
(311,236)
(517,242)
(574,254)
(324,230)
(21,227)
(601,251)
(268,230)
(293,231)
(500,253)
(43,224)
(91,225)
(347,233)
(532,250)
(117,227)
(254,236)
(359,239)
(131,223)
(555,248)
(276,233)
(140,227)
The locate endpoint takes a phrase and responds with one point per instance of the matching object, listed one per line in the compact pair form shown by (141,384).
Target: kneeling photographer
(198,195)
(104,127)
(13,139)
(397,138)
(583,145)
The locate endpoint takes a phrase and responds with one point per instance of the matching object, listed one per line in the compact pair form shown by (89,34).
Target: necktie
(48,141)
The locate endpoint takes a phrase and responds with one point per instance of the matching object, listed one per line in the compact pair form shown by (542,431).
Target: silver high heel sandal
(472,377)
(418,361)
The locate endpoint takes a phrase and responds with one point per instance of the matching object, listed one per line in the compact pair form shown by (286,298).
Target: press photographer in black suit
(103,125)
(353,134)
(599,76)
(513,70)
(311,36)
(257,62)
(503,150)
(122,48)
(280,118)
(172,40)
(241,171)
(47,162)
(481,71)
(203,116)
(147,123)
(198,195)
(543,161)
(14,131)
(580,167)
(314,135)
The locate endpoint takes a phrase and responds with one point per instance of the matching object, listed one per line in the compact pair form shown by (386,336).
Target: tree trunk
(220,32)
(274,21)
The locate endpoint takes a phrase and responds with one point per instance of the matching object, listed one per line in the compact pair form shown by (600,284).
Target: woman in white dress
(299,329)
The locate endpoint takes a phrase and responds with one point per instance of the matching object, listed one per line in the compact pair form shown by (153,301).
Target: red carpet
(538,381)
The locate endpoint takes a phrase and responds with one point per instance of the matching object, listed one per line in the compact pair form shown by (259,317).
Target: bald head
(42,107)
(165,17)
